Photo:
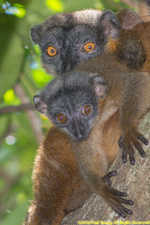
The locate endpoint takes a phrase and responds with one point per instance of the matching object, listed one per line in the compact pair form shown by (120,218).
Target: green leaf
(78,5)
(12,54)
(16,216)
(3,123)
(10,98)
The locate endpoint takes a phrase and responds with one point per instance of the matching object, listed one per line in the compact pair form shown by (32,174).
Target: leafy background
(21,76)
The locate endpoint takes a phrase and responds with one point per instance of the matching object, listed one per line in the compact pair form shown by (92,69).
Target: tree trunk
(135,180)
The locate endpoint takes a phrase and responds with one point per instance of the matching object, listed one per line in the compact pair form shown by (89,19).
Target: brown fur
(144,10)
(119,108)
(128,19)
(58,185)
(93,148)
(133,45)
(128,95)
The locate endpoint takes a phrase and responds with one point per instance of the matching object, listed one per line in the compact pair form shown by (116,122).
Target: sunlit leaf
(10,97)
(21,198)
(40,77)
(37,49)
(55,5)
(20,12)
(99,5)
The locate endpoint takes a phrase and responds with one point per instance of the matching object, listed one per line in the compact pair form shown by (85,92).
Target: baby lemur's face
(71,102)
(69,38)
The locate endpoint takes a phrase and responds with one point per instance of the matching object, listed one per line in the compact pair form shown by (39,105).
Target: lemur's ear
(39,104)
(128,19)
(36,33)
(110,23)
(99,86)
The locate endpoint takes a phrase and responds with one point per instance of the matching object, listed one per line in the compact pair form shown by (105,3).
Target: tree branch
(34,120)
(10,109)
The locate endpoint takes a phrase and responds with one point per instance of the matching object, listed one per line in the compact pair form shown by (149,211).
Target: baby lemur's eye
(87,110)
(61,118)
(51,51)
(88,47)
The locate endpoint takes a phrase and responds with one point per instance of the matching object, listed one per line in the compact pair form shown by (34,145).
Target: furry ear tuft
(99,85)
(110,23)
(39,104)
(36,33)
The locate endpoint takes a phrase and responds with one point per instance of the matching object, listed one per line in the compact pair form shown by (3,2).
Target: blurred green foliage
(20,63)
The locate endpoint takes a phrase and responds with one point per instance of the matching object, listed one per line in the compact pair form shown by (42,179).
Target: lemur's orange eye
(88,47)
(87,110)
(61,118)
(51,51)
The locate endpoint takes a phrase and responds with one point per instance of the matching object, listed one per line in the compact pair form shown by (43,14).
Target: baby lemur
(76,104)
(133,46)
(69,102)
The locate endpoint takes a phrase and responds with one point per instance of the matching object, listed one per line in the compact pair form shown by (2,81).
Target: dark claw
(108,177)
(132,160)
(124,160)
(143,154)
(121,209)
(120,141)
(125,201)
(111,174)
(115,200)
(118,193)
(139,148)
(126,144)
(128,211)
(131,202)
(131,155)
(122,214)
(124,194)
(142,139)
(124,155)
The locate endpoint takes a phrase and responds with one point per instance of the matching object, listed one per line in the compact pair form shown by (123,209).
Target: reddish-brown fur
(144,10)
(58,185)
